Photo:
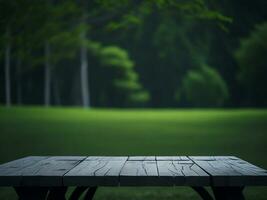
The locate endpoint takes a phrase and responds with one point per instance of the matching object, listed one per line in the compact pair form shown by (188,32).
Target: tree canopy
(204,87)
(132,53)
(252,60)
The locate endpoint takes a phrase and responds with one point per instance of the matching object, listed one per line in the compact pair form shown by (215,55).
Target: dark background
(170,48)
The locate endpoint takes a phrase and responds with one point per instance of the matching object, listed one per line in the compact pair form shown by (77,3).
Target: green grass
(38,131)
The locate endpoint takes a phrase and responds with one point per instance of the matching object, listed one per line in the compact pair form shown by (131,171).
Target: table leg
(205,195)
(90,193)
(57,193)
(228,193)
(31,193)
(54,193)
(77,193)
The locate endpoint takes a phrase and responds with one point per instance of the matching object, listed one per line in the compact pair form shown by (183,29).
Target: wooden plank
(131,171)
(182,173)
(142,158)
(106,158)
(96,171)
(226,158)
(254,175)
(172,158)
(10,173)
(49,172)
(208,158)
(232,171)
(221,174)
(139,173)
(169,173)
(202,158)
(194,175)
(69,158)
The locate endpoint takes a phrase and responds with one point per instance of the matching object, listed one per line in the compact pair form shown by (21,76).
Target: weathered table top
(131,171)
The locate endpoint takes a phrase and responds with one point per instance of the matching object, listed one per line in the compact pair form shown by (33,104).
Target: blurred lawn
(58,131)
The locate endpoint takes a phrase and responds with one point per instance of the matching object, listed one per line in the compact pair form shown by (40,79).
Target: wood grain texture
(231,171)
(139,173)
(182,173)
(172,158)
(106,158)
(11,172)
(49,172)
(209,158)
(96,171)
(131,171)
(142,158)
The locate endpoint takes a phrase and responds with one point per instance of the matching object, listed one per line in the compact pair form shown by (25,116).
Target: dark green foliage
(164,38)
(204,88)
(252,59)
(122,84)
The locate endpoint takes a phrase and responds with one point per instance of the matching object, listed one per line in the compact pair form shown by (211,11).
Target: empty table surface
(131,171)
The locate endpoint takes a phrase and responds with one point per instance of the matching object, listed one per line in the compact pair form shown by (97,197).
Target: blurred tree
(98,14)
(55,35)
(29,25)
(10,18)
(95,14)
(122,87)
(24,43)
(171,39)
(164,48)
(61,39)
(22,55)
(204,88)
(252,60)
(14,28)
(245,14)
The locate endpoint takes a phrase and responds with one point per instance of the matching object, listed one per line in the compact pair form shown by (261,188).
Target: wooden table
(39,177)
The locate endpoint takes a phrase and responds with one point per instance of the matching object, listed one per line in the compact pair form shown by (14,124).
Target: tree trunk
(7,70)
(19,88)
(47,76)
(56,92)
(84,73)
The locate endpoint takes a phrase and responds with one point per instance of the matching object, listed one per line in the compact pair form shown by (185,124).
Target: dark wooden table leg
(205,195)
(90,193)
(57,193)
(228,193)
(77,193)
(31,193)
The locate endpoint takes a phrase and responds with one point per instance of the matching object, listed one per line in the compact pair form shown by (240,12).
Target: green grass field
(58,131)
